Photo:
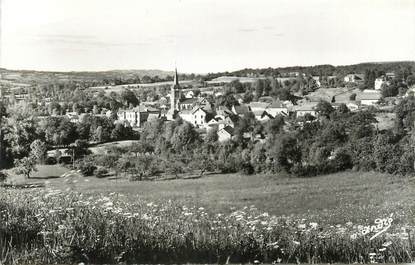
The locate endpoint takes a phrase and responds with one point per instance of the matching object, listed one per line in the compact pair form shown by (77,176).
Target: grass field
(213,219)
(335,198)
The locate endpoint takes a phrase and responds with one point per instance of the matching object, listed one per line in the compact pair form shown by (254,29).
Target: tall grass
(51,226)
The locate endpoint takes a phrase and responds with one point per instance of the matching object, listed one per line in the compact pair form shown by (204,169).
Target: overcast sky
(203,35)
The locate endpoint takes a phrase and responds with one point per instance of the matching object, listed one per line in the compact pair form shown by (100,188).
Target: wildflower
(313,225)
(108,204)
(387,244)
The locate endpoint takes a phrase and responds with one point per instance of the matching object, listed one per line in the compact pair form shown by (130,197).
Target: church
(175,97)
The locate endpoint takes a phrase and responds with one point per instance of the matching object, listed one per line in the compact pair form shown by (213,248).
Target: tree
(26,166)
(259,88)
(258,158)
(124,164)
(283,152)
(67,132)
(174,167)
(2,147)
(184,137)
(141,147)
(202,161)
(3,177)
(38,151)
(20,132)
(99,134)
(324,108)
(144,166)
(410,80)
(211,136)
(128,97)
(274,126)
(389,91)
(81,148)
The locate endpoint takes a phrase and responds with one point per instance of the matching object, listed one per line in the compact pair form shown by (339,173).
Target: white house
(225,134)
(369,98)
(197,116)
(306,108)
(189,94)
(262,115)
(354,78)
(240,110)
(137,116)
(258,106)
(352,106)
(317,80)
(379,82)
(73,117)
(277,108)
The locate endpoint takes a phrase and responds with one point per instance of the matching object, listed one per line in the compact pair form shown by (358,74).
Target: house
(223,112)
(212,123)
(384,79)
(135,117)
(189,94)
(369,98)
(190,103)
(306,108)
(277,108)
(354,78)
(187,104)
(225,134)
(317,80)
(240,110)
(258,106)
(352,106)
(196,116)
(379,82)
(73,117)
(390,76)
(231,120)
(262,115)
(410,91)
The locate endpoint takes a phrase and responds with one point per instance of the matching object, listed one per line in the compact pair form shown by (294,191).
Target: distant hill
(30,76)
(316,70)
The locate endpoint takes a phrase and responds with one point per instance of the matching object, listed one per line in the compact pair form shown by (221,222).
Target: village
(192,102)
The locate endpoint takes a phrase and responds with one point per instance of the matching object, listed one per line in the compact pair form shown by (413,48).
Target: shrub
(3,176)
(87,168)
(51,161)
(305,170)
(101,172)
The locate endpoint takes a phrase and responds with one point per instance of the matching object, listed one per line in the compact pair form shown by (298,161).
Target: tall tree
(26,166)
(38,151)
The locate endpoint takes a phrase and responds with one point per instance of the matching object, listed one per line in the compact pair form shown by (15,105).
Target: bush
(51,161)
(101,172)
(87,168)
(3,176)
(305,170)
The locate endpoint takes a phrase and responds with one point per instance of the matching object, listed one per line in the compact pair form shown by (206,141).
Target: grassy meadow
(214,219)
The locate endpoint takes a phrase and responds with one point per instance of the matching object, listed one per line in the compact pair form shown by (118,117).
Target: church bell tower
(175,92)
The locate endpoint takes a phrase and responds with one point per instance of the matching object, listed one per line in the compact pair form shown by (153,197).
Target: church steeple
(176,77)
(176,94)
